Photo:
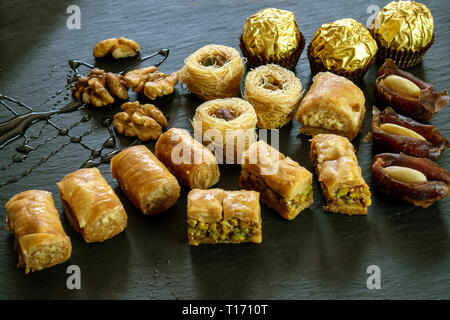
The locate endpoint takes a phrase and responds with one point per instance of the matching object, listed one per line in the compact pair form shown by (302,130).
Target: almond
(405,174)
(400,131)
(402,85)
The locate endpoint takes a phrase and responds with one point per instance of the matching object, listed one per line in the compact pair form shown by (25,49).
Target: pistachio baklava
(339,175)
(218,216)
(284,185)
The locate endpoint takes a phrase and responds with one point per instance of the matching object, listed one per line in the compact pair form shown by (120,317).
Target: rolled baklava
(339,175)
(334,105)
(91,206)
(189,160)
(145,180)
(218,216)
(283,184)
(39,238)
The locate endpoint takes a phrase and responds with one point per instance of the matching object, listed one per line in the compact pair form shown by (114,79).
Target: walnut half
(143,121)
(151,82)
(118,48)
(99,88)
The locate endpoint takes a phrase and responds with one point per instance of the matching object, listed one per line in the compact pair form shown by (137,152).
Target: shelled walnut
(118,48)
(99,88)
(143,121)
(151,82)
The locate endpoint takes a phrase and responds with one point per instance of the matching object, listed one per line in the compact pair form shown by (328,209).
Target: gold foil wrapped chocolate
(403,25)
(343,45)
(271,33)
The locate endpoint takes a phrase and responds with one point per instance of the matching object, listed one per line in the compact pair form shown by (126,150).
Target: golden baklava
(334,105)
(39,238)
(189,160)
(284,185)
(145,180)
(218,216)
(91,205)
(339,175)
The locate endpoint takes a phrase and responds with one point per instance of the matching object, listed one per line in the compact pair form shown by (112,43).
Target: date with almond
(396,133)
(419,181)
(408,94)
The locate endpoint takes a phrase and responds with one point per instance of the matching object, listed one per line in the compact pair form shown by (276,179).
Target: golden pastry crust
(145,180)
(91,206)
(39,238)
(284,185)
(333,104)
(274,93)
(236,132)
(190,161)
(218,216)
(339,175)
(205,205)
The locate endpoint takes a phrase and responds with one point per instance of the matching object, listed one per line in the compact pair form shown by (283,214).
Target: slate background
(316,256)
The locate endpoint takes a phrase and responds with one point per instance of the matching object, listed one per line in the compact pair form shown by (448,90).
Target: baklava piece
(91,206)
(218,216)
(39,238)
(284,185)
(334,105)
(145,180)
(339,175)
(191,162)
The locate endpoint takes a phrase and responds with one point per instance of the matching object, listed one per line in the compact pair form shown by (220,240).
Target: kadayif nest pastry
(213,72)
(404,31)
(275,93)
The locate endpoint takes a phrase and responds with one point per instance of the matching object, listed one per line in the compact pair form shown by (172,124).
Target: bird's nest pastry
(275,93)
(228,125)
(213,72)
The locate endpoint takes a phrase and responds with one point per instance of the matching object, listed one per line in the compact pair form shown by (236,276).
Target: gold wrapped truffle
(272,36)
(344,47)
(403,31)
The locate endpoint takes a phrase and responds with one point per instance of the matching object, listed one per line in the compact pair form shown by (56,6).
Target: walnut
(99,88)
(151,82)
(144,121)
(118,48)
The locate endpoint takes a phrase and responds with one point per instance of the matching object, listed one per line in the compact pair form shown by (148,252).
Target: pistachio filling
(273,198)
(232,230)
(352,196)
(214,61)
(270,83)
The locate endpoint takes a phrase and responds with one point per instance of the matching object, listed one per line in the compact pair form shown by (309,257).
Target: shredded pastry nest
(213,82)
(274,108)
(239,131)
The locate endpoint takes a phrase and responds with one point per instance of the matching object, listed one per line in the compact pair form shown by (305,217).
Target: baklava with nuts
(339,175)
(334,105)
(218,216)
(39,238)
(145,180)
(283,184)
(91,205)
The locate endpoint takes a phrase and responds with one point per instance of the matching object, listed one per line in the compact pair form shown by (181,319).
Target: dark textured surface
(317,255)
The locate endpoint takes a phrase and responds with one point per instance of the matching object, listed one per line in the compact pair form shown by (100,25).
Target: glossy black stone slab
(316,256)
